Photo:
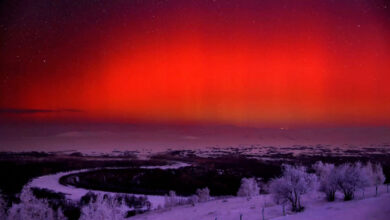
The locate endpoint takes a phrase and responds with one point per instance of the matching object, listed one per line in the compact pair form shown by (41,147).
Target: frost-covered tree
(364,177)
(171,199)
(351,177)
(203,194)
(248,188)
(103,206)
(33,209)
(327,179)
(376,175)
(294,182)
(194,199)
(106,206)
(134,203)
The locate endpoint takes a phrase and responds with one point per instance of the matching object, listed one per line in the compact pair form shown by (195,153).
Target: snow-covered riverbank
(51,182)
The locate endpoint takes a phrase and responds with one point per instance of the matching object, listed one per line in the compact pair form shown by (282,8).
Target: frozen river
(51,182)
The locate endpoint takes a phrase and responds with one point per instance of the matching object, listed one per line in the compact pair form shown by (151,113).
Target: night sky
(265,62)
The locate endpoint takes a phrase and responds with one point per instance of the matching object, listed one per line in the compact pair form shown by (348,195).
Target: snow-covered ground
(51,182)
(376,208)
(231,208)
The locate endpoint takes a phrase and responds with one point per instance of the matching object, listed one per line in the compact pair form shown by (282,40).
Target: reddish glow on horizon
(248,63)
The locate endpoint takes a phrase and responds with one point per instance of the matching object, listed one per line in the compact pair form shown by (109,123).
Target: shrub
(103,207)
(203,194)
(33,209)
(248,188)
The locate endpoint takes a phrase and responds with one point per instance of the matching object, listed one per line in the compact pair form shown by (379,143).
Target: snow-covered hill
(317,208)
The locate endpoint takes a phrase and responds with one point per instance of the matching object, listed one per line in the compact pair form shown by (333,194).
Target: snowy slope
(365,209)
(226,209)
(377,208)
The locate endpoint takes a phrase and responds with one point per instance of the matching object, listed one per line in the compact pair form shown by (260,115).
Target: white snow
(317,208)
(175,165)
(376,208)
(226,209)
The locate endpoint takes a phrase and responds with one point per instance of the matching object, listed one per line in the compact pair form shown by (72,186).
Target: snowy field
(255,151)
(375,208)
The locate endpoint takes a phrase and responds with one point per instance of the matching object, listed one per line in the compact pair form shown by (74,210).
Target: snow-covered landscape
(353,191)
(194,110)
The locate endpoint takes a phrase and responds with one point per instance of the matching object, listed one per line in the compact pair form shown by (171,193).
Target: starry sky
(269,62)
